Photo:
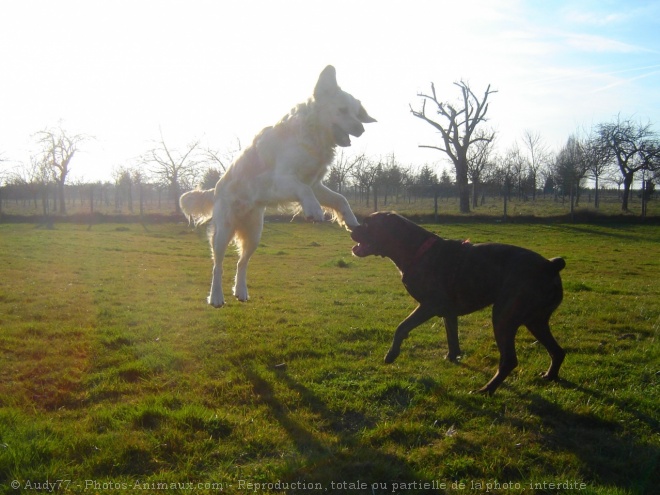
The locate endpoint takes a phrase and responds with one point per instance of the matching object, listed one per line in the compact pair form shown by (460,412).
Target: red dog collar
(421,251)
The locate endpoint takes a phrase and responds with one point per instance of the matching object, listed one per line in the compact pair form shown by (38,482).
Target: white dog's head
(344,113)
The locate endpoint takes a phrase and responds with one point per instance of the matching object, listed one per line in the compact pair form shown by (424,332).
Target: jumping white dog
(285,163)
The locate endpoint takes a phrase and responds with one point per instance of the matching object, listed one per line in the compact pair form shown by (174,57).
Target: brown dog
(453,278)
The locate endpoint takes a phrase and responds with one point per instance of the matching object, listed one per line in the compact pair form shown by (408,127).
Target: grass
(113,370)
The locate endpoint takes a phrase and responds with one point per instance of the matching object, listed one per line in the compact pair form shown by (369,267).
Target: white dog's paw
(241,293)
(318,216)
(314,213)
(216,301)
(350,222)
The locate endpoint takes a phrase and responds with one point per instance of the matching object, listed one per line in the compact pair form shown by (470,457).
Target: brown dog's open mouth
(362,249)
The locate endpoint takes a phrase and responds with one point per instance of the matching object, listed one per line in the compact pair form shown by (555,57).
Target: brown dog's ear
(364,117)
(327,83)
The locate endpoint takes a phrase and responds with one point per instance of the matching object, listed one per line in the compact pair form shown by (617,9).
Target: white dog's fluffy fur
(285,163)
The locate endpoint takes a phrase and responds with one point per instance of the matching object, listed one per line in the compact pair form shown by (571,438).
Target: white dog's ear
(327,83)
(364,117)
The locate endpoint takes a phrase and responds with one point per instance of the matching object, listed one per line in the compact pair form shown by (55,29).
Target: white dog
(285,163)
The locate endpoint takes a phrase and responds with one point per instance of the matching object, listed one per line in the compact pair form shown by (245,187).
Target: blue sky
(122,71)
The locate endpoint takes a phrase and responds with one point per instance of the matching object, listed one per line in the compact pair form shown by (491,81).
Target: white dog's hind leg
(222,235)
(249,235)
(338,203)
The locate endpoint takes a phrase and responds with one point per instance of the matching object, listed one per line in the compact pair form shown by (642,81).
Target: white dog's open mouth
(341,137)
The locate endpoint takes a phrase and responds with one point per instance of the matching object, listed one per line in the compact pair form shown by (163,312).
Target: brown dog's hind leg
(420,315)
(505,336)
(541,330)
(451,327)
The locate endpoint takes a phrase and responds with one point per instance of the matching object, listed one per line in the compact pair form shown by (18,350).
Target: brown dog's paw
(454,358)
(551,377)
(391,356)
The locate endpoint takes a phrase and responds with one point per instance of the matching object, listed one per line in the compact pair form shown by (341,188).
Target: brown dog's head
(382,234)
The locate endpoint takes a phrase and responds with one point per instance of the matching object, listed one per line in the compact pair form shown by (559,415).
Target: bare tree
(597,160)
(392,177)
(342,168)
(223,159)
(458,131)
(571,169)
(123,188)
(519,169)
(515,164)
(139,177)
(175,169)
(503,176)
(4,176)
(625,139)
(649,154)
(35,179)
(57,151)
(479,160)
(365,174)
(538,156)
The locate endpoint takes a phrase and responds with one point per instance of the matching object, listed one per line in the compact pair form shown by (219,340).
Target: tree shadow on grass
(331,463)
(622,232)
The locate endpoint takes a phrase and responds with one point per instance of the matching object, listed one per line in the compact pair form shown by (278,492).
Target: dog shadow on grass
(612,456)
(337,463)
(609,453)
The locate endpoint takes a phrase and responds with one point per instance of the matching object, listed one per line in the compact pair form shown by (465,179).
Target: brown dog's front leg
(451,326)
(420,315)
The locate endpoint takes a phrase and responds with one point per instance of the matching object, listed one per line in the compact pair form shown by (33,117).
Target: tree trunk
(627,184)
(596,196)
(572,199)
(504,198)
(463,187)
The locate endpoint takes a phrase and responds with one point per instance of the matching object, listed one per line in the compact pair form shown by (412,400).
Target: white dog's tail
(197,205)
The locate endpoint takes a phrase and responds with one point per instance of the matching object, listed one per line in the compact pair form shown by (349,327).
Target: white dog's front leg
(311,207)
(338,203)
(289,188)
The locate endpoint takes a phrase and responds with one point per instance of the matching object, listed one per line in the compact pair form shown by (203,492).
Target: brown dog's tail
(556,264)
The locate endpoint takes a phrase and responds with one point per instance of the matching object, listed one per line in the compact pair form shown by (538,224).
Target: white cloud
(600,44)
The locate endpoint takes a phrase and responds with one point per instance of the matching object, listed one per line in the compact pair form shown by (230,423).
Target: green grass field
(115,375)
